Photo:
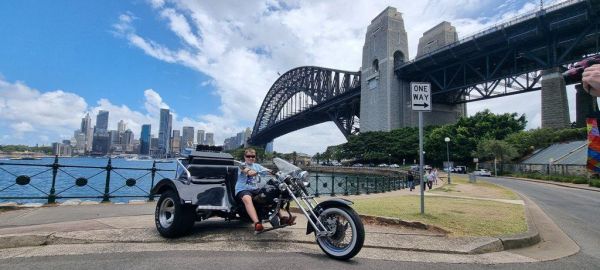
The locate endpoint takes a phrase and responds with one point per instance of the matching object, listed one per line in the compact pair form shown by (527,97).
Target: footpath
(88,223)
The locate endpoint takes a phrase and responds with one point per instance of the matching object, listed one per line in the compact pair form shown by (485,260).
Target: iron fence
(60,180)
(335,184)
(50,182)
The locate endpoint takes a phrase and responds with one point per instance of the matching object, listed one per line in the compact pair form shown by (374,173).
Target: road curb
(550,183)
(526,239)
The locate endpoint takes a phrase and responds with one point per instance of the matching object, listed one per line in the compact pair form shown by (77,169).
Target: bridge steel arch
(306,96)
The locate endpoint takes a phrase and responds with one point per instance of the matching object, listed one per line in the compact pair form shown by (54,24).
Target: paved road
(575,211)
(252,260)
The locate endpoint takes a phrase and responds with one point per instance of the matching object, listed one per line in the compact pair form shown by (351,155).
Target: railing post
(317,185)
(153,174)
(368,188)
(332,185)
(107,186)
(357,185)
(346,189)
(52,195)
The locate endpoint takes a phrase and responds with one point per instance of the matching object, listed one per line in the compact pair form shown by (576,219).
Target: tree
(496,149)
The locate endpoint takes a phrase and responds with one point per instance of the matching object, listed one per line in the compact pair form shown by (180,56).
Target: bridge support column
(555,108)
(585,104)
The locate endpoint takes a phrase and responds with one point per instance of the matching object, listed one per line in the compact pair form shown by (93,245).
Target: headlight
(303,175)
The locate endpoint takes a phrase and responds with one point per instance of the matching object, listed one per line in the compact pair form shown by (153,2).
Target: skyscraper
(210,139)
(200,137)
(145,139)
(102,121)
(176,142)
(122,126)
(164,132)
(187,137)
(127,141)
(88,132)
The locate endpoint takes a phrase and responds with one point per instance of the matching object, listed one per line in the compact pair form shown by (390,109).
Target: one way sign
(421,96)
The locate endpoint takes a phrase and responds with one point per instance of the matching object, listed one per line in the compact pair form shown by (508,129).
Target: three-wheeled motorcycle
(204,187)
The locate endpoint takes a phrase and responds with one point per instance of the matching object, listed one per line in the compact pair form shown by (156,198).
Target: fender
(162,185)
(333,202)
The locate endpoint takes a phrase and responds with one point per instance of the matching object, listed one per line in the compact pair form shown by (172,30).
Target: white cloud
(243,48)
(27,114)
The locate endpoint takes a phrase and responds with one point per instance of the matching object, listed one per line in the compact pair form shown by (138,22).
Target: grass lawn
(461,187)
(462,217)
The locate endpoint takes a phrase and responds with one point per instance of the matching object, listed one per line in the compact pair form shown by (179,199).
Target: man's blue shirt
(245,182)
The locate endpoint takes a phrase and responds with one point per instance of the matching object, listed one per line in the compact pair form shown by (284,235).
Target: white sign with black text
(420,93)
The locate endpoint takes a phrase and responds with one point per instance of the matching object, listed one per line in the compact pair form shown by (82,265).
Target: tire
(354,223)
(172,218)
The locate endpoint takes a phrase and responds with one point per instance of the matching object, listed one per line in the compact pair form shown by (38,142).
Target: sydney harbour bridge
(527,53)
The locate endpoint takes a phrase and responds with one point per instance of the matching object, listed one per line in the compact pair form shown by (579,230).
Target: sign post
(420,93)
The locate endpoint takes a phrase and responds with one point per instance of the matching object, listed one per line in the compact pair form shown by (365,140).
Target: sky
(210,62)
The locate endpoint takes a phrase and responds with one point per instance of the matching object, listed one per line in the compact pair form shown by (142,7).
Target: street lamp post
(447,140)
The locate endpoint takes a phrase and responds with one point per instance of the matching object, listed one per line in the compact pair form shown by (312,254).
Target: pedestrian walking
(411,180)
(435,176)
(430,177)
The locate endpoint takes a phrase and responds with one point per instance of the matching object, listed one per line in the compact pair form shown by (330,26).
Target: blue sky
(211,62)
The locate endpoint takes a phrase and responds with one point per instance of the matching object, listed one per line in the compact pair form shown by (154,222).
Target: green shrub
(580,180)
(595,183)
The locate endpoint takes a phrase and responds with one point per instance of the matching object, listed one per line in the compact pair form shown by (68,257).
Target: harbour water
(40,183)
(132,179)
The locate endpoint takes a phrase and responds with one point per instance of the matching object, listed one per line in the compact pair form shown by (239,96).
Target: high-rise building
(145,139)
(102,121)
(176,142)
(187,137)
(127,141)
(88,131)
(164,132)
(115,141)
(101,144)
(154,147)
(200,137)
(210,140)
(122,126)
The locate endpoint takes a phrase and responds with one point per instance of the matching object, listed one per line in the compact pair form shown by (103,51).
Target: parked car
(394,166)
(382,165)
(459,169)
(483,172)
(357,165)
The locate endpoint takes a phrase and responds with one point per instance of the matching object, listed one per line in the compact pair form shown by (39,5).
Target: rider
(246,187)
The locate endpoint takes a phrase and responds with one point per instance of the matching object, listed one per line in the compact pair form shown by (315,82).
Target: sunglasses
(250,156)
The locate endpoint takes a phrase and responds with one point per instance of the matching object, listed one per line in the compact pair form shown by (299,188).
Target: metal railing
(55,186)
(55,181)
(335,184)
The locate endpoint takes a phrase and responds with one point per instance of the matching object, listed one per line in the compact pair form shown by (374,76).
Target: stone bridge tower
(385,100)
(385,43)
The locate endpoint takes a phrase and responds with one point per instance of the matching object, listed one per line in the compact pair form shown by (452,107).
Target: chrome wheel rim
(343,237)
(166,212)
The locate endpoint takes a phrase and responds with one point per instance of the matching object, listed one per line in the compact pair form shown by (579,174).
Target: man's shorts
(243,193)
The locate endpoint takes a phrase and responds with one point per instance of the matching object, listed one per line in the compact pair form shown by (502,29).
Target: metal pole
(52,196)
(153,174)
(448,156)
(106,197)
(317,185)
(421,162)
